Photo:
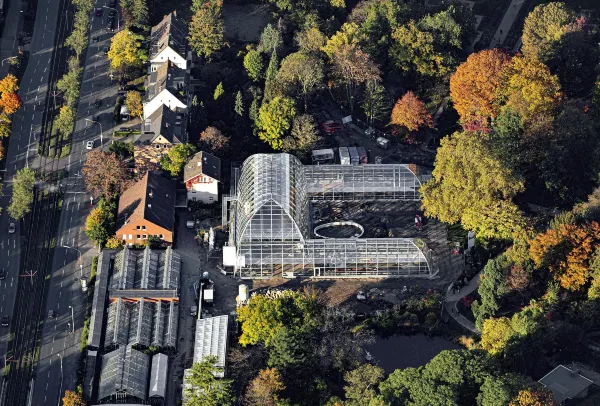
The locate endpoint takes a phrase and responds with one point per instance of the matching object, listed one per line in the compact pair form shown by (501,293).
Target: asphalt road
(26,125)
(73,254)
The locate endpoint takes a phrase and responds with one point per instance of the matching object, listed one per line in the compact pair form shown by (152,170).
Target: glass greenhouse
(270,220)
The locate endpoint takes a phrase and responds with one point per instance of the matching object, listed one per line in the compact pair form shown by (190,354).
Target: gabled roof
(166,76)
(565,383)
(203,163)
(165,122)
(151,198)
(170,32)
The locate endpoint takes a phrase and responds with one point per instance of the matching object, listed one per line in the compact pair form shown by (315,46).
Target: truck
(344,156)
(84,286)
(190,223)
(322,156)
(354,158)
(208,289)
(362,155)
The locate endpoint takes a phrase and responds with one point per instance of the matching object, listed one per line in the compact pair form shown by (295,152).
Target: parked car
(11,228)
(98,11)
(89,145)
(109,25)
(51,314)
(112,3)
(105,50)
(112,13)
(98,103)
(2,273)
(5,321)
(95,39)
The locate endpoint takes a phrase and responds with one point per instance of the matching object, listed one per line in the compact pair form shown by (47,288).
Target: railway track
(36,253)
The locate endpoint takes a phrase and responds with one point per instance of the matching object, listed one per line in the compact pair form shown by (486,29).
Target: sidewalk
(8,46)
(507,21)
(453,298)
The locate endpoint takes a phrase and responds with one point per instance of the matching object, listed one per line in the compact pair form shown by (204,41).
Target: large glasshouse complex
(271,218)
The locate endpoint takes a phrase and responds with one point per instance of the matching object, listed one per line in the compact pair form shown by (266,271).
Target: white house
(168,43)
(202,175)
(168,86)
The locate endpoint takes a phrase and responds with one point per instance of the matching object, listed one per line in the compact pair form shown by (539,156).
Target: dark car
(95,39)
(98,103)
(98,11)
(109,25)
(105,50)
(5,320)
(11,228)
(2,273)
(112,13)
(112,3)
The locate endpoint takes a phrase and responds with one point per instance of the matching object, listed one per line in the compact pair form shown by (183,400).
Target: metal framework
(270,220)
(124,374)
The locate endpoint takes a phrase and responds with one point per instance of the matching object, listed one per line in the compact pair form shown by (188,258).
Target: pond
(402,351)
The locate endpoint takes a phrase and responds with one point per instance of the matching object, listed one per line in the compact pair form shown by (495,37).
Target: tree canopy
(274,121)
(174,161)
(472,186)
(203,389)
(410,112)
(104,174)
(22,193)
(126,51)
(206,28)
(100,223)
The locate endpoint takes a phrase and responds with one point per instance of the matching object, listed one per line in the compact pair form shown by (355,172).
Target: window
(124,236)
(143,227)
(144,237)
(211,198)
(137,227)
(130,236)
(138,236)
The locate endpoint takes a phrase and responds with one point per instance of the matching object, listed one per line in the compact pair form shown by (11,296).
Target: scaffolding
(270,220)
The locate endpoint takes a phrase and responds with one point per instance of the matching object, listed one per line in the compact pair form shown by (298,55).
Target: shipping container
(362,154)
(323,156)
(354,158)
(383,143)
(344,156)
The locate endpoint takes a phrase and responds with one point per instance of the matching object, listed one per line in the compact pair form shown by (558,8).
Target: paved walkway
(507,21)
(452,301)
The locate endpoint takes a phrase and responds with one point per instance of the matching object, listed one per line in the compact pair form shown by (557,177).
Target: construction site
(325,221)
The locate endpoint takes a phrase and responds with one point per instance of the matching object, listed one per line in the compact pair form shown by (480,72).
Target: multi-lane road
(59,352)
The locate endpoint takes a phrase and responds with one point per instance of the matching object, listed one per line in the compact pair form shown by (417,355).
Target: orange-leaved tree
(410,112)
(566,250)
(10,102)
(72,398)
(535,395)
(9,84)
(475,87)
(264,389)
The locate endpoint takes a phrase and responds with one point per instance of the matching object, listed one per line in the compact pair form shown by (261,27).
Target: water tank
(243,293)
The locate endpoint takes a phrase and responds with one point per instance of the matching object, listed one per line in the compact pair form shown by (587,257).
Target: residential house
(202,175)
(167,86)
(566,383)
(168,42)
(162,130)
(147,209)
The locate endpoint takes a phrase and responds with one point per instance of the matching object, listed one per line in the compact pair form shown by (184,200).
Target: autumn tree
(544,28)
(567,251)
(5,125)
(301,72)
(375,102)
(104,174)
(174,161)
(410,112)
(135,12)
(414,49)
(274,121)
(310,40)
(100,223)
(9,84)
(22,193)
(203,389)
(253,62)
(134,103)
(475,86)
(532,90)
(65,121)
(303,136)
(73,398)
(472,186)
(535,395)
(353,67)
(348,34)
(126,51)
(206,28)
(213,140)
(10,102)
(265,388)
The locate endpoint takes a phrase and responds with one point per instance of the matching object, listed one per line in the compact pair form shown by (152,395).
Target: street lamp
(118,16)
(72,319)
(10,57)
(100,124)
